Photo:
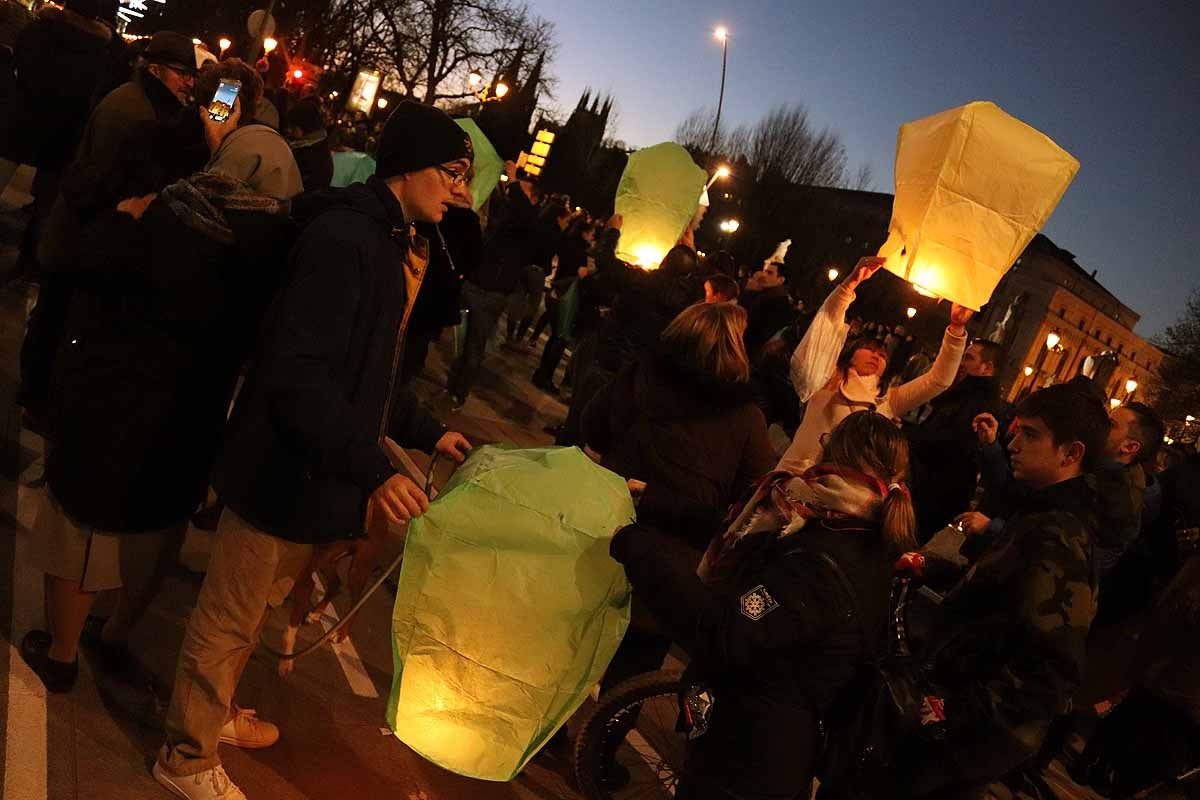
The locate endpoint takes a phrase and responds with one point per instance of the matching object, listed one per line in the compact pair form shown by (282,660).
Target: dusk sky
(1115,83)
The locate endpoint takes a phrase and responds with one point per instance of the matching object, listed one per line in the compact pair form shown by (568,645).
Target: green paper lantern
(658,196)
(488,164)
(509,607)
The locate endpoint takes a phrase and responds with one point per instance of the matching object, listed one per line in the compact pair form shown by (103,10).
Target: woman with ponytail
(783,608)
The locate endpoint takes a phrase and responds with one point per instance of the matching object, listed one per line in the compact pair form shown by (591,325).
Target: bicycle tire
(606,726)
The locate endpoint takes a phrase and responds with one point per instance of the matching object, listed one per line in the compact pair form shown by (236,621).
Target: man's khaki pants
(249,569)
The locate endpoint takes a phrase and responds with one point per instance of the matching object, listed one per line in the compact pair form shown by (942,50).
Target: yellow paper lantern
(973,187)
(658,197)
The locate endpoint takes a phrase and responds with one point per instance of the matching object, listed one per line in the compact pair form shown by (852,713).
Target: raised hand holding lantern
(973,187)
(658,197)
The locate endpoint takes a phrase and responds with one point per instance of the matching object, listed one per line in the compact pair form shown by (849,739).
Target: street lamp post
(722,35)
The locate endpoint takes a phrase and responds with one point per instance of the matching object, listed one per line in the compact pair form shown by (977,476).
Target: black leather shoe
(56,675)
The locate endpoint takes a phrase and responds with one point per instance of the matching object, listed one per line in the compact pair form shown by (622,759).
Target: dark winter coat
(101,163)
(60,59)
(303,448)
(767,312)
(437,306)
(697,445)
(775,650)
(943,450)
(164,313)
(515,243)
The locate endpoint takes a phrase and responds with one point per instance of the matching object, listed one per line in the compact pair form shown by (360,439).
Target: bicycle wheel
(628,746)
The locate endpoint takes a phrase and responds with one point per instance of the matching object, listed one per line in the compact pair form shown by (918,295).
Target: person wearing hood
(835,387)
(166,300)
(304,459)
(784,608)
(944,446)
(681,426)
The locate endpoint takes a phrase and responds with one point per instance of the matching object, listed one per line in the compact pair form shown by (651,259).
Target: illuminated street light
(721,33)
(333,95)
(197,41)
(474,79)
(1189,419)
(1115,403)
(1052,340)
(833,275)
(501,89)
(730,226)
(225,44)
(269,44)
(910,312)
(382,103)
(298,74)
(1131,385)
(1028,371)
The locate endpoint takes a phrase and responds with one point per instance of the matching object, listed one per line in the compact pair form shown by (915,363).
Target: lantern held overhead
(973,187)
(658,196)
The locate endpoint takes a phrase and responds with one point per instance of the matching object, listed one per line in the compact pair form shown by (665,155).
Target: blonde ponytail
(898,521)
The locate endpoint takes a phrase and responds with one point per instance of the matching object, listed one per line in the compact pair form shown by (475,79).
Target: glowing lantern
(487,167)
(973,187)
(658,197)
(509,607)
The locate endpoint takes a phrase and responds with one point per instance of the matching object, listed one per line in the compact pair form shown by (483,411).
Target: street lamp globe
(732,225)
(721,33)
(298,74)
(474,79)
(723,172)
(1189,419)
(225,43)
(269,44)
(383,103)
(501,89)
(910,312)
(1028,371)
(1052,340)
(1115,403)
(833,275)
(1131,385)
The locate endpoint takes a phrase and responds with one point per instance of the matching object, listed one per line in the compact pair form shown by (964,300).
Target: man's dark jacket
(302,451)
(943,450)
(767,312)
(514,245)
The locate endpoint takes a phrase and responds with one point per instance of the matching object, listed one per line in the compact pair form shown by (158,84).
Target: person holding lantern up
(835,386)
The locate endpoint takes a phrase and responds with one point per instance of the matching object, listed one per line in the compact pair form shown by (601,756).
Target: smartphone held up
(223,99)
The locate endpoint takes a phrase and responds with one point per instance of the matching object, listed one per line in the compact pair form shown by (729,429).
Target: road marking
(25,759)
(347,655)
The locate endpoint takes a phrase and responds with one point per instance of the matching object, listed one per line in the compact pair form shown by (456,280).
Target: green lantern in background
(487,167)
(509,607)
(657,197)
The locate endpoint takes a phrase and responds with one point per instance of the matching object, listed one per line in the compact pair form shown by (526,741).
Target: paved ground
(99,740)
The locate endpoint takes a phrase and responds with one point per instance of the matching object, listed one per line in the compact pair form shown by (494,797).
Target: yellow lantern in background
(658,197)
(973,187)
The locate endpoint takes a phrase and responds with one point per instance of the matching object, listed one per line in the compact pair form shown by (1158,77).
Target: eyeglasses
(456,178)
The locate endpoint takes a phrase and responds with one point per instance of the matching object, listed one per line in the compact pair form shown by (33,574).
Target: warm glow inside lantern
(509,607)
(657,197)
(973,187)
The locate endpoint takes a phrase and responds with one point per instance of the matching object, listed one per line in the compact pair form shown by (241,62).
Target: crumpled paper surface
(973,187)
(509,607)
(487,165)
(658,196)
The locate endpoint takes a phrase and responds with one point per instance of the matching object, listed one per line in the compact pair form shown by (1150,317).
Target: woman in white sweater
(835,388)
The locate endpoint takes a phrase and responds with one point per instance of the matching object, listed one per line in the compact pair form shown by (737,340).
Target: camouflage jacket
(1120,490)
(1010,649)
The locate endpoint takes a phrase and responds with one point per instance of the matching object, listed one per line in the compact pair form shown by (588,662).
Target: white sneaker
(246,730)
(212,784)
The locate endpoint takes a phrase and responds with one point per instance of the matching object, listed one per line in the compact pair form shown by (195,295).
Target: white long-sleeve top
(827,406)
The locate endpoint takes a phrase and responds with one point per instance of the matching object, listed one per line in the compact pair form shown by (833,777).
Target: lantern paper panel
(487,166)
(973,187)
(509,607)
(657,197)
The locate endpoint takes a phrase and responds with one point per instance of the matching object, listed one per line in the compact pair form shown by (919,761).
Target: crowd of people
(211,316)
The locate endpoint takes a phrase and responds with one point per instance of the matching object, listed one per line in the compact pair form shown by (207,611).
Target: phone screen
(222,103)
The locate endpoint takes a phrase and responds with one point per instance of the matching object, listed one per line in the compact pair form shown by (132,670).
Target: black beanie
(417,136)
